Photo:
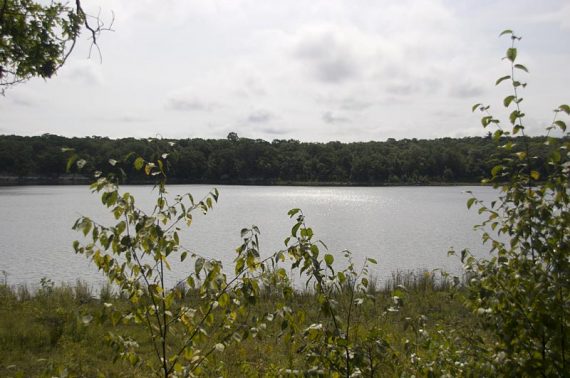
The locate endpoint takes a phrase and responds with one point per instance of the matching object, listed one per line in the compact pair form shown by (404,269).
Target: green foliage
(49,331)
(523,291)
(36,38)
(135,255)
(247,161)
(28,318)
(337,345)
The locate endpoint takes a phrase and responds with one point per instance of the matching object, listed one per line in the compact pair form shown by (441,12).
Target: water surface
(403,228)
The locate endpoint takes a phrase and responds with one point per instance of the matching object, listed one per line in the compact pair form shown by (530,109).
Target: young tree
(523,290)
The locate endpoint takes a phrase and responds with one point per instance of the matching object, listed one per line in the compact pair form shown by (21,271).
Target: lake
(403,228)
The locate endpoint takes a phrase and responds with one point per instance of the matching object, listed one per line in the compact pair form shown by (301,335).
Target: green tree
(186,322)
(37,39)
(523,291)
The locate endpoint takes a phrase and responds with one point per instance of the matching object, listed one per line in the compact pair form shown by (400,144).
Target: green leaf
(224,300)
(507,100)
(139,163)
(565,109)
(535,175)
(476,106)
(329,259)
(295,228)
(198,265)
(560,124)
(506,31)
(514,115)
(70,162)
(240,263)
(501,79)
(190,282)
(372,261)
(470,202)
(521,67)
(512,54)
(517,128)
(485,121)
(148,168)
(183,256)
(496,169)
(292,212)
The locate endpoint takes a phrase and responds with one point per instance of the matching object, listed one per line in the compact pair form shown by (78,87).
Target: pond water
(403,228)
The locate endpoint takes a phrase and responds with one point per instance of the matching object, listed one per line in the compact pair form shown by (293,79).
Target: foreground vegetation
(59,330)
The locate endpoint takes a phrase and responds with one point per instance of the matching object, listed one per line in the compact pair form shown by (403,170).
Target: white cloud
(277,131)
(330,117)
(466,90)
(86,71)
(184,102)
(329,58)
(260,116)
(23,99)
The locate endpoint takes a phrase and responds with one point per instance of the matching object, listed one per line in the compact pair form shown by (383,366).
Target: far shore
(75,179)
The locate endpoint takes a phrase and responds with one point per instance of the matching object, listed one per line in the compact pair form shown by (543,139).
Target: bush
(523,291)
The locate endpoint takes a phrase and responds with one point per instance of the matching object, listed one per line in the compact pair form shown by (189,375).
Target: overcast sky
(311,70)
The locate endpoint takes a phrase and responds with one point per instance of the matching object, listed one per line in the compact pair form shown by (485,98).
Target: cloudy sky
(312,70)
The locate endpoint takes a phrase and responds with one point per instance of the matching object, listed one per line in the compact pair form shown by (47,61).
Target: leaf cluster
(36,38)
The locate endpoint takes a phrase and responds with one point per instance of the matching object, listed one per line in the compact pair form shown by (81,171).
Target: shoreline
(84,180)
(74,179)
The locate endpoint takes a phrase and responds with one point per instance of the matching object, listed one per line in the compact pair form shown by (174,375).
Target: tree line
(236,160)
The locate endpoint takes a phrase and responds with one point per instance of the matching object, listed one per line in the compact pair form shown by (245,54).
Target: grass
(49,332)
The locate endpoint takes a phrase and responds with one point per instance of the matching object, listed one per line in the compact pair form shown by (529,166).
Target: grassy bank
(62,330)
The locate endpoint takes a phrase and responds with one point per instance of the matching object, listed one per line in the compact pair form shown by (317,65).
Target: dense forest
(236,160)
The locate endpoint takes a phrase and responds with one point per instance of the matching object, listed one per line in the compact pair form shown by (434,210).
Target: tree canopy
(36,39)
(241,160)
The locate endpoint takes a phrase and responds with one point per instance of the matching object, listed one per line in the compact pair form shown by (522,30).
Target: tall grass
(418,280)
(44,330)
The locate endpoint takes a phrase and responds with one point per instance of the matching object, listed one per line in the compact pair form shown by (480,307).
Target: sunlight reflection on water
(404,228)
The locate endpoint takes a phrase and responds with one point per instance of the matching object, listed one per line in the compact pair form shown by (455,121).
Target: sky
(315,70)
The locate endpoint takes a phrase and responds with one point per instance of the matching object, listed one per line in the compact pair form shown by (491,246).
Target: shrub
(523,290)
